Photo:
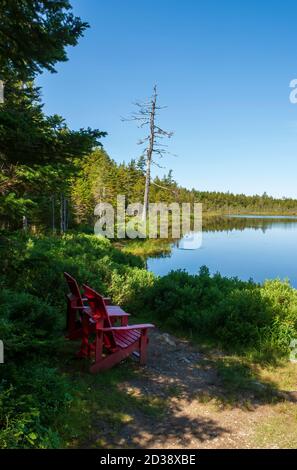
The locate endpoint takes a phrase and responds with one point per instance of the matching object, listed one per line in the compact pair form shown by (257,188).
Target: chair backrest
(98,309)
(74,289)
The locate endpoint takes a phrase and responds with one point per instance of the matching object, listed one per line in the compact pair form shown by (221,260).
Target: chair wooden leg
(124,321)
(112,359)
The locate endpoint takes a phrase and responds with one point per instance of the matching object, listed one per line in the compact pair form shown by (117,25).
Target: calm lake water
(257,247)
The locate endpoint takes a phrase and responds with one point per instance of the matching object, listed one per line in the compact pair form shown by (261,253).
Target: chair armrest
(142,326)
(107,300)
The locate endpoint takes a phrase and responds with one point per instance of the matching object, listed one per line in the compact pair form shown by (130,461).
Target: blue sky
(222,67)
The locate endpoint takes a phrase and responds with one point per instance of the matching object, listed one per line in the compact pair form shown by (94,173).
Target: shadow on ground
(177,400)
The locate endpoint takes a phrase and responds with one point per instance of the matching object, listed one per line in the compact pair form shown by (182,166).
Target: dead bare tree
(53,214)
(146,115)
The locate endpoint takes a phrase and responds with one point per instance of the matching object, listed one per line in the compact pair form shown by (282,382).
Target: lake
(257,247)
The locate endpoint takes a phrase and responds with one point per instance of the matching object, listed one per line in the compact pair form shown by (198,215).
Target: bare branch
(162,132)
(142,141)
(158,165)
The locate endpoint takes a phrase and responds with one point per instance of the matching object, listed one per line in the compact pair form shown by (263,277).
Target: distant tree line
(101,179)
(58,195)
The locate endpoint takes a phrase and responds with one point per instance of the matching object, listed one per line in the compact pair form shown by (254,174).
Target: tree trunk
(53,215)
(1,91)
(25,223)
(63,214)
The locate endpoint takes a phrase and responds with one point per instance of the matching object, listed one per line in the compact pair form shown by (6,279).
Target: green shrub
(28,326)
(36,264)
(30,399)
(130,288)
(232,313)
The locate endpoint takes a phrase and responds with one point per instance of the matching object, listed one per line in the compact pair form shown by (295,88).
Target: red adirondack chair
(76,305)
(112,343)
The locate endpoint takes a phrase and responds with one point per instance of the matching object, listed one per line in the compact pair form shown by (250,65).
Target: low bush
(234,314)
(31,397)
(28,326)
(32,302)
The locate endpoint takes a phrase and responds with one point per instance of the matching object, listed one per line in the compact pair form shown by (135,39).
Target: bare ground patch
(190,406)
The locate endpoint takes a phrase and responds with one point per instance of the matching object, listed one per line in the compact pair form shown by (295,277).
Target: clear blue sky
(222,67)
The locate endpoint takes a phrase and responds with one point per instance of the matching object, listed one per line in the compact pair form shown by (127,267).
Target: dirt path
(194,409)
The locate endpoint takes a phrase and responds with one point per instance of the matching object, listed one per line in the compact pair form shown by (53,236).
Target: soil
(195,412)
